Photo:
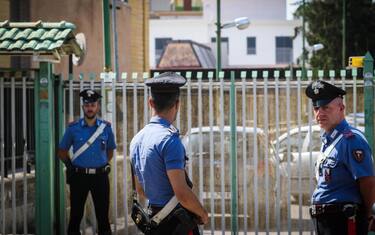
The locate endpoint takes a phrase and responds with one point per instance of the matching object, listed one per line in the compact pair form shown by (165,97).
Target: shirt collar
(84,123)
(328,137)
(158,119)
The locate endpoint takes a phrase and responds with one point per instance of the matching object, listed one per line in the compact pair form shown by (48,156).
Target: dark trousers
(80,186)
(169,225)
(336,224)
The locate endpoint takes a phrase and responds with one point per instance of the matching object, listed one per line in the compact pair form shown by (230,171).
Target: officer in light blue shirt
(158,156)
(87,171)
(345,192)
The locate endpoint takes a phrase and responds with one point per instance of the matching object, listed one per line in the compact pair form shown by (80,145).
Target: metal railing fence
(276,136)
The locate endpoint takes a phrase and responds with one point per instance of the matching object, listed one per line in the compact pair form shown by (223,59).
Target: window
(284,50)
(160,44)
(251,45)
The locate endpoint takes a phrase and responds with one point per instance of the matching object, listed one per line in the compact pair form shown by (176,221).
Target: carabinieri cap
(167,82)
(89,96)
(322,93)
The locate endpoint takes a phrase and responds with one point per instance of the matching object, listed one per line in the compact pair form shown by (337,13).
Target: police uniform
(89,170)
(156,149)
(345,157)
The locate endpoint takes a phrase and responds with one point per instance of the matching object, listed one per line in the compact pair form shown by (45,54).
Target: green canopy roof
(38,38)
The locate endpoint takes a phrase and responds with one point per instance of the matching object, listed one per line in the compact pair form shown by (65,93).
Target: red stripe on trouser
(191,232)
(351,226)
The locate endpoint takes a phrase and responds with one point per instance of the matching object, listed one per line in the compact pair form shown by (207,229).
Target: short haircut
(164,101)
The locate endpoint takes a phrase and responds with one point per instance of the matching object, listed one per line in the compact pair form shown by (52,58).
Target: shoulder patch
(172,129)
(348,134)
(358,155)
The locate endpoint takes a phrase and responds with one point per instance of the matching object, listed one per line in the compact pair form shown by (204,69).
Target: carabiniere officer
(87,171)
(345,191)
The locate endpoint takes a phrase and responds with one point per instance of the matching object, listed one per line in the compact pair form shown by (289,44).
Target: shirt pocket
(103,139)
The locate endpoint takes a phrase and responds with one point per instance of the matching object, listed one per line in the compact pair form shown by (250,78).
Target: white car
(265,152)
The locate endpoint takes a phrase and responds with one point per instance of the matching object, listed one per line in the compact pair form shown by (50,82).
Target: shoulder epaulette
(172,129)
(107,122)
(348,134)
(73,123)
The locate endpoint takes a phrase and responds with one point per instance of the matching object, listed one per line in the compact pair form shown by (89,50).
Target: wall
(4,15)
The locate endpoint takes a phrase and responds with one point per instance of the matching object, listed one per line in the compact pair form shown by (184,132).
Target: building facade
(270,40)
(132,30)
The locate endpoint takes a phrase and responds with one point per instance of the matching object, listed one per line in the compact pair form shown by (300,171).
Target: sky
(290,8)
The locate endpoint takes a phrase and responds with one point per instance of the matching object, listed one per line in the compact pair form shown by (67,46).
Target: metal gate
(276,139)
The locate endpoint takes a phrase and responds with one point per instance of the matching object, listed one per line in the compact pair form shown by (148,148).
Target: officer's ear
(151,102)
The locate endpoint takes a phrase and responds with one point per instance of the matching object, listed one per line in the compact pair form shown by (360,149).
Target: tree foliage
(324,25)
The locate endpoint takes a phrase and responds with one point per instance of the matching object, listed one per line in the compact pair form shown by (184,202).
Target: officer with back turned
(158,158)
(345,192)
(87,171)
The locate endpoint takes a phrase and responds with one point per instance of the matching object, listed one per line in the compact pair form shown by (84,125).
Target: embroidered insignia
(90,93)
(358,155)
(316,86)
(327,174)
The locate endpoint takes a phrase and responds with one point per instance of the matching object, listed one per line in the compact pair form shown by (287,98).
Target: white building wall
(268,20)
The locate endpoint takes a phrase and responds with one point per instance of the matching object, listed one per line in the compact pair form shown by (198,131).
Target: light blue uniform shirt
(77,133)
(156,149)
(349,160)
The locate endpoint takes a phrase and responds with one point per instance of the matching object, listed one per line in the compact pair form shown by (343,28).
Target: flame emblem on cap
(316,86)
(89,93)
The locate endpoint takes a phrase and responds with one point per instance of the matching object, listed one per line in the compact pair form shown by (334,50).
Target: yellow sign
(356,61)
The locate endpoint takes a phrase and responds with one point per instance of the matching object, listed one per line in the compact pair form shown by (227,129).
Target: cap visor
(320,103)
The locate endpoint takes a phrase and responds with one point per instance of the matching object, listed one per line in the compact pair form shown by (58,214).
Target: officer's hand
(203,219)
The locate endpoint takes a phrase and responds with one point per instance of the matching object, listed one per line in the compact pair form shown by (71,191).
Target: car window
(194,140)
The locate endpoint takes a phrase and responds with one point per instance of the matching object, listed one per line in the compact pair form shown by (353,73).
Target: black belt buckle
(349,210)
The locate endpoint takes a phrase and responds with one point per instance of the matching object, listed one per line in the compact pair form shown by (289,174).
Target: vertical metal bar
(244,151)
(135,103)
(13,131)
(311,163)
(343,75)
(354,75)
(288,77)
(71,95)
(80,89)
(125,148)
(145,101)
(25,155)
(188,77)
(212,159)
(114,160)
(178,118)
(254,75)
(92,78)
(277,127)
(299,163)
(222,157)
(2,149)
(103,102)
(266,150)
(200,123)
(368,77)
(233,155)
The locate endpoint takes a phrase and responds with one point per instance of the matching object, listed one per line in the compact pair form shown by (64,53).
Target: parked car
(265,152)
(304,151)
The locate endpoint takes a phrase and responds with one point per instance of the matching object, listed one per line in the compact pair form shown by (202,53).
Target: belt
(323,209)
(93,171)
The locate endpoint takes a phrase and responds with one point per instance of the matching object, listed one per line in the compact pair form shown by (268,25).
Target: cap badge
(316,86)
(90,93)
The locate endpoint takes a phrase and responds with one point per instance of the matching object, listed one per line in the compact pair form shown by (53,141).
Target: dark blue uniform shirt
(349,160)
(154,150)
(95,155)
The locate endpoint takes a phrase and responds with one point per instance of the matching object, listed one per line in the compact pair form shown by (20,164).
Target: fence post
(233,154)
(44,151)
(368,69)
